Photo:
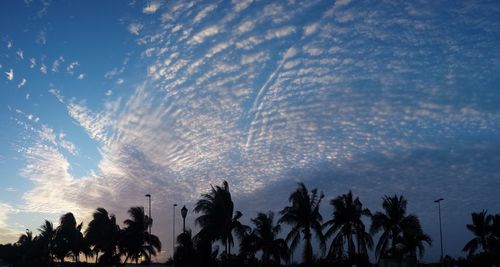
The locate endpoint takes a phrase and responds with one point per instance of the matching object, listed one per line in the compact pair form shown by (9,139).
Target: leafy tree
(304,217)
(218,220)
(135,238)
(348,228)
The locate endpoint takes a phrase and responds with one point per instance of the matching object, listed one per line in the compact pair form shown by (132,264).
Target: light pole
(440,228)
(150,223)
(173,231)
(184,212)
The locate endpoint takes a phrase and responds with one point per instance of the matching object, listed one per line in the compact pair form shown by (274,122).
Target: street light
(184,212)
(173,231)
(440,227)
(150,223)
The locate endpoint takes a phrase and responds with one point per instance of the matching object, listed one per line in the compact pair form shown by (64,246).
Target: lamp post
(150,223)
(173,230)
(184,212)
(438,201)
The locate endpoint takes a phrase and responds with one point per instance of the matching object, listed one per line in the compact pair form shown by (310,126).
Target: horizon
(104,102)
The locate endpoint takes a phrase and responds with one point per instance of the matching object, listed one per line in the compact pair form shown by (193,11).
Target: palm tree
(25,240)
(392,223)
(218,220)
(413,239)
(304,216)
(480,228)
(102,234)
(46,239)
(348,228)
(135,236)
(264,238)
(68,240)
(185,250)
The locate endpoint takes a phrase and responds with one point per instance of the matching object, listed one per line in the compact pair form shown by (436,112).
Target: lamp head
(184,212)
(438,200)
(148,195)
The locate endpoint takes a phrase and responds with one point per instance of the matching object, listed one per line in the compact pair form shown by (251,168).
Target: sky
(102,102)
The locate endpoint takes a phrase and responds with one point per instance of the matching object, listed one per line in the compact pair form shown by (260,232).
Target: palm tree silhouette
(135,236)
(218,220)
(68,239)
(391,222)
(480,228)
(46,239)
(102,234)
(185,250)
(304,216)
(348,228)
(264,238)
(413,239)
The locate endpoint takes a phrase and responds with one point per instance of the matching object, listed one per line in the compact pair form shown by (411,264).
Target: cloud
(240,5)
(280,33)
(71,67)
(108,93)
(7,234)
(135,28)
(151,7)
(203,13)
(310,29)
(203,34)
(41,38)
(20,54)
(22,83)
(81,76)
(32,63)
(57,63)
(258,57)
(245,27)
(10,75)
(43,68)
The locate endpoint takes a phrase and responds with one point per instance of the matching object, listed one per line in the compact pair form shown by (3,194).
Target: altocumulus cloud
(335,100)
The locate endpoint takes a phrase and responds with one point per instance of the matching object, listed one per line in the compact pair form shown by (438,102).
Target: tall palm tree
(68,240)
(264,238)
(392,223)
(102,234)
(135,238)
(218,220)
(46,239)
(304,217)
(480,228)
(348,228)
(185,250)
(412,241)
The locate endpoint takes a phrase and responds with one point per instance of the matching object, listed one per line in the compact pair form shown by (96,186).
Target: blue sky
(104,101)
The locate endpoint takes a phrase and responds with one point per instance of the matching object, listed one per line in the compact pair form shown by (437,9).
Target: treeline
(102,240)
(342,239)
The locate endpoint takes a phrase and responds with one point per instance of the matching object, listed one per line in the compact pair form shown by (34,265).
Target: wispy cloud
(135,28)
(204,12)
(71,67)
(151,7)
(200,37)
(22,83)
(10,74)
